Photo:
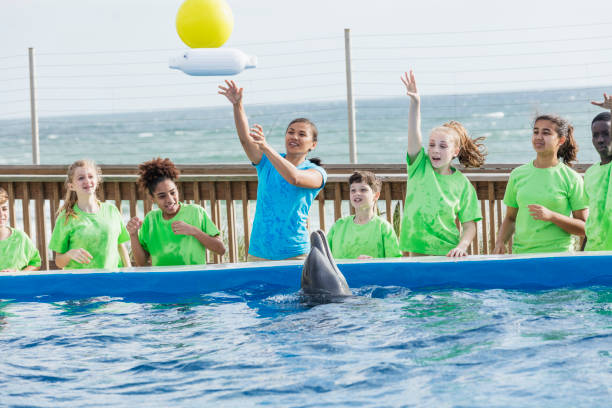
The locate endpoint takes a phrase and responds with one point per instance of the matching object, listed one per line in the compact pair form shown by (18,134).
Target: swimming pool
(244,336)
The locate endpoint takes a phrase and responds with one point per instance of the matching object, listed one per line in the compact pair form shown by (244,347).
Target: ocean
(207,135)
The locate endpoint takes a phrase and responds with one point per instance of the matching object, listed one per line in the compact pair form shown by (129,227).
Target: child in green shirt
(175,233)
(598,183)
(436,193)
(363,235)
(17,252)
(88,233)
(545,202)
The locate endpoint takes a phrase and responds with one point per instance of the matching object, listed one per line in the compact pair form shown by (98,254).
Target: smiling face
(84,181)
(545,139)
(602,140)
(166,197)
(299,138)
(362,196)
(442,148)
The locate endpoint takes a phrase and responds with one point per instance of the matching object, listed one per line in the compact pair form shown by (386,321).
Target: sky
(99,56)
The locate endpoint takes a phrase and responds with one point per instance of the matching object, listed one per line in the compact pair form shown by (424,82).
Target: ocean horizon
(207,135)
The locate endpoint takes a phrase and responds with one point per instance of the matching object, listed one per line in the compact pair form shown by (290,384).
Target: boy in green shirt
(17,252)
(363,235)
(598,182)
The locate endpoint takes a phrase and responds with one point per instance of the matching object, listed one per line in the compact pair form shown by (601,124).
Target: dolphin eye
(185,55)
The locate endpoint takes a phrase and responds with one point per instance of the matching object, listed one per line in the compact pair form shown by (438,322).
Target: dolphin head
(320,275)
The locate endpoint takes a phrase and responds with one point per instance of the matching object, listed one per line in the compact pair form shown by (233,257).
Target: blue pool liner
(549,271)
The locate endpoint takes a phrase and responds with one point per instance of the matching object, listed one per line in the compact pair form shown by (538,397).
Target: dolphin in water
(320,274)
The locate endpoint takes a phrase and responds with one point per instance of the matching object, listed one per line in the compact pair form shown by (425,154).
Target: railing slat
(387,189)
(215,216)
(337,202)
(133,201)
(321,200)
(54,203)
(117,193)
(25,205)
(483,224)
(491,192)
(41,233)
(245,217)
(11,196)
(231,222)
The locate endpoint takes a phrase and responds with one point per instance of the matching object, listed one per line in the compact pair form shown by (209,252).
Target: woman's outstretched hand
(411,88)
(606,104)
(231,92)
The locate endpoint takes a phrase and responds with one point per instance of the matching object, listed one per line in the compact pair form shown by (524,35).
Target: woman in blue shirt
(287,184)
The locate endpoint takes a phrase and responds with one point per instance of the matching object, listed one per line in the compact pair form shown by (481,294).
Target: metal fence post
(33,112)
(350,100)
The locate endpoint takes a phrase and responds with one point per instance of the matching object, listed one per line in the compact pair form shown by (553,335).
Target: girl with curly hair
(88,233)
(175,233)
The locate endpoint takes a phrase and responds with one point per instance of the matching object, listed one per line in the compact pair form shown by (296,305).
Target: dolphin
(320,275)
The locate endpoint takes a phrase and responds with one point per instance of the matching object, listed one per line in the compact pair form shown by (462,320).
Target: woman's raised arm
(234,95)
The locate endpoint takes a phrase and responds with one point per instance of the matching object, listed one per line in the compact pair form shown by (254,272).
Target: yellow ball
(204,23)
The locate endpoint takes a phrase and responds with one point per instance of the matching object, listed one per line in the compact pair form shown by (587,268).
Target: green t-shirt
(433,202)
(558,188)
(348,240)
(167,248)
(598,189)
(18,251)
(98,233)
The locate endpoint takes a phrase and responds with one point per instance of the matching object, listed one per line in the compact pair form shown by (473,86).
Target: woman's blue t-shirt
(281,214)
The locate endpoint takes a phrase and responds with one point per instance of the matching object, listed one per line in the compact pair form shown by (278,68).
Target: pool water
(262,345)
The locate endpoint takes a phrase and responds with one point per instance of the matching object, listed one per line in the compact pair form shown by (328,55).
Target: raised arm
(234,95)
(414,116)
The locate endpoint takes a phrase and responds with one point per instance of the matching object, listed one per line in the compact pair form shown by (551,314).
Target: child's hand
(232,92)
(80,255)
(457,253)
(411,88)
(364,257)
(182,228)
(133,226)
(606,104)
(499,250)
(257,136)
(539,212)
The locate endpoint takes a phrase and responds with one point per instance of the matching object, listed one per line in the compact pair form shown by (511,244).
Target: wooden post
(33,110)
(350,100)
